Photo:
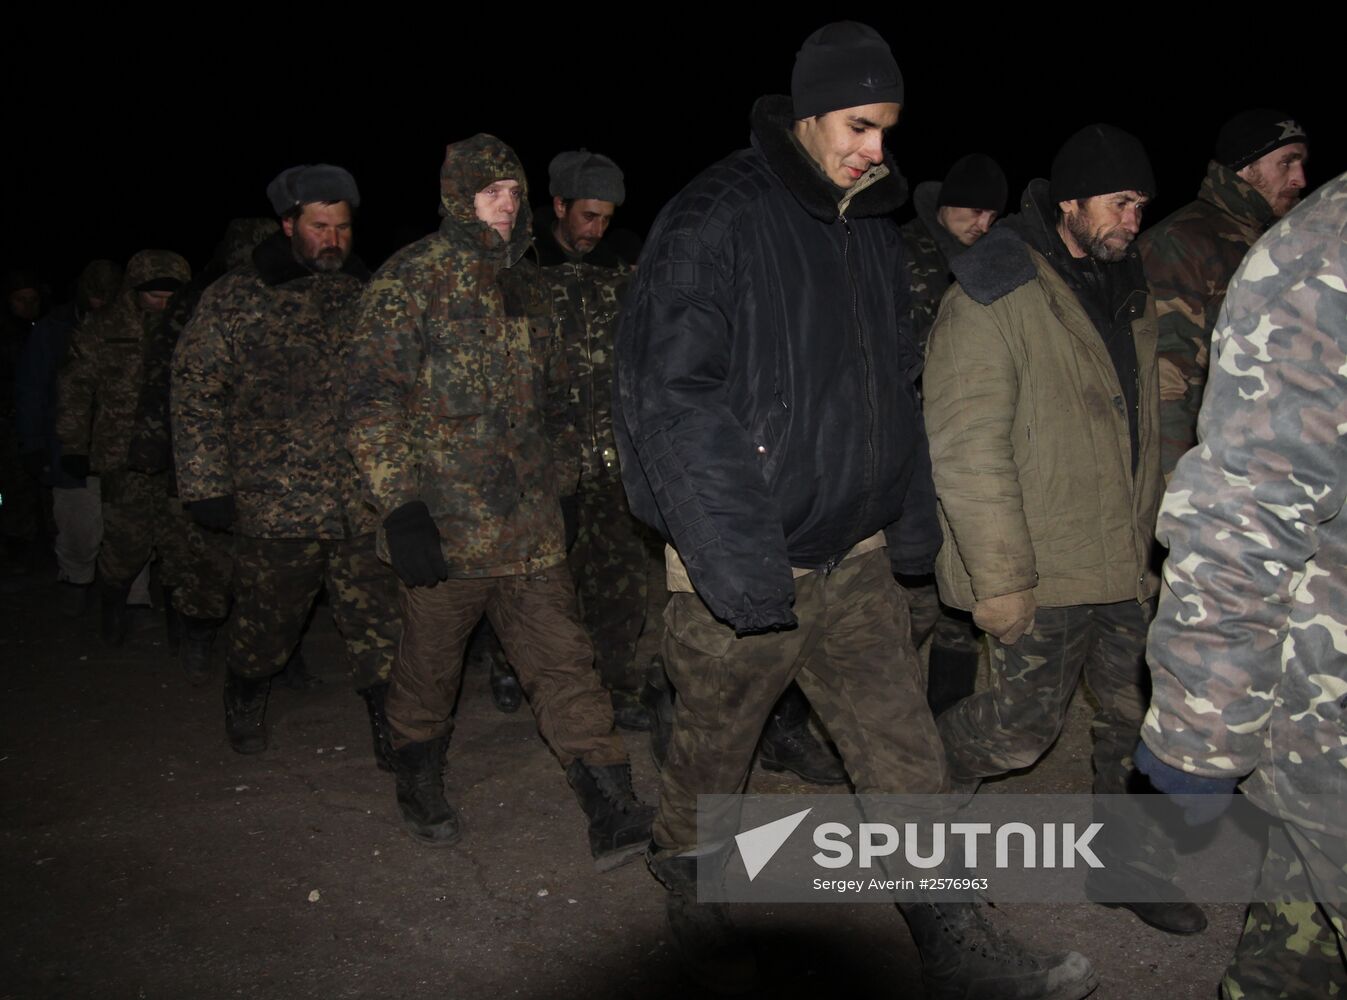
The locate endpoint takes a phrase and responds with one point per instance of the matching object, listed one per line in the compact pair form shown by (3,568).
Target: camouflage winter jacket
(99,383)
(1246,651)
(930,248)
(1189,259)
(586,292)
(256,399)
(459,382)
(1030,440)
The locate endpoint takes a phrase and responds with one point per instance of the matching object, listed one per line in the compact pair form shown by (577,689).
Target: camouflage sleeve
(152,413)
(1186,314)
(970,389)
(559,415)
(200,394)
(77,389)
(387,352)
(1243,509)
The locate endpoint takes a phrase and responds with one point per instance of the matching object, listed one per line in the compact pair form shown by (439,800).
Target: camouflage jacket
(1189,258)
(930,248)
(256,399)
(100,379)
(586,293)
(1246,651)
(459,383)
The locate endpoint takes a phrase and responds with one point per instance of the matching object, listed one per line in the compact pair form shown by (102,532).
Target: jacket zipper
(865,356)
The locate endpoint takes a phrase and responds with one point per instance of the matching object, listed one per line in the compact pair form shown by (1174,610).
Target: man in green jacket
(1042,409)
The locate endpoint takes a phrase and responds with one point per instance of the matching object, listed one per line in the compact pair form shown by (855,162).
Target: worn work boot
(1168,915)
(198,636)
(710,948)
(629,712)
(964,957)
(619,823)
(506,694)
(426,814)
(951,677)
(114,615)
(658,697)
(245,702)
(374,696)
(173,625)
(788,745)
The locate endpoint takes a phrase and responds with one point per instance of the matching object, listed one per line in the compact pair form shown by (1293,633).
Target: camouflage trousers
(1295,946)
(205,577)
(608,565)
(539,627)
(1014,722)
(853,657)
(276,582)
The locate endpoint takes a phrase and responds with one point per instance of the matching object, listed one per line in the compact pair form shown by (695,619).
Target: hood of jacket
(469,166)
(275,262)
(241,238)
(773,137)
(1230,193)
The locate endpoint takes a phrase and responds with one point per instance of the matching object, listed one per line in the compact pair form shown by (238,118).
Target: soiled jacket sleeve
(970,388)
(1245,516)
(674,350)
(199,402)
(386,351)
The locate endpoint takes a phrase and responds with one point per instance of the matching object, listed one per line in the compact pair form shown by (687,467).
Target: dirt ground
(142,858)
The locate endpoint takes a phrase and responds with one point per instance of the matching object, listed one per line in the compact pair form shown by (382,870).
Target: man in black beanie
(1255,176)
(769,428)
(1042,406)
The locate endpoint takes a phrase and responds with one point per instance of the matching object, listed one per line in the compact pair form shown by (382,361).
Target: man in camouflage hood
(260,449)
(97,391)
(202,598)
(1254,177)
(459,391)
(1249,680)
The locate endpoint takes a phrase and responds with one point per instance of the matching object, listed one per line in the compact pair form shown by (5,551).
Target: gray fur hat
(582,174)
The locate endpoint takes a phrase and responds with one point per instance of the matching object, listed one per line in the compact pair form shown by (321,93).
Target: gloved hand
(1202,799)
(148,454)
(215,513)
(1007,616)
(414,545)
(75,466)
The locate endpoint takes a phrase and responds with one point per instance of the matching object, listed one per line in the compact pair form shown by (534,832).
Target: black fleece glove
(414,545)
(75,466)
(215,513)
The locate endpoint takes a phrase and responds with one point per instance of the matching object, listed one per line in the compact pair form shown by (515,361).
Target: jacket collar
(1230,193)
(884,191)
(550,253)
(276,263)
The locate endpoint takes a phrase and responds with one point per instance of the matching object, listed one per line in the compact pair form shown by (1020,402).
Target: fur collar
(550,253)
(820,197)
(276,263)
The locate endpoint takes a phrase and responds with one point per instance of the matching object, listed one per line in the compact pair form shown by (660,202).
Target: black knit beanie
(1251,135)
(845,64)
(975,181)
(1100,159)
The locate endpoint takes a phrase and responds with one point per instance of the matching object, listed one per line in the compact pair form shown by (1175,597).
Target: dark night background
(123,136)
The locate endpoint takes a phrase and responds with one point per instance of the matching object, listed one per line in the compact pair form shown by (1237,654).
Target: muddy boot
(506,694)
(245,702)
(951,677)
(963,956)
(374,696)
(296,674)
(426,814)
(788,745)
(198,636)
(658,697)
(114,615)
(629,712)
(710,948)
(173,625)
(619,823)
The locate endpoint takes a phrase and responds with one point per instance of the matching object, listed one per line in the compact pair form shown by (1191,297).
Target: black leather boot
(245,702)
(788,745)
(619,823)
(711,950)
(658,697)
(198,636)
(374,696)
(964,957)
(114,615)
(426,814)
(506,694)
(629,711)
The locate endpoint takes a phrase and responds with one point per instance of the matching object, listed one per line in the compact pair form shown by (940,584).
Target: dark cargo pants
(852,655)
(276,582)
(539,628)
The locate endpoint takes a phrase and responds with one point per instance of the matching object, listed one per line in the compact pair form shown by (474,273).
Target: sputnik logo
(760,844)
